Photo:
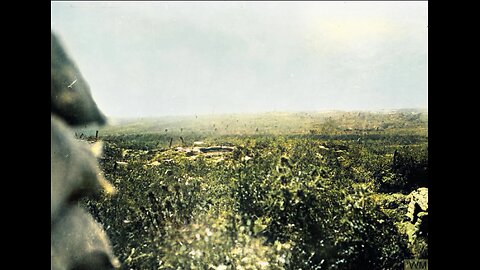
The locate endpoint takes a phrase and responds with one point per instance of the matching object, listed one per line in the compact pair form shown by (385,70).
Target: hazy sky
(169,58)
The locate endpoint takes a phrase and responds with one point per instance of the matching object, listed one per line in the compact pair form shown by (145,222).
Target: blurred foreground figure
(78,242)
(74,169)
(70,94)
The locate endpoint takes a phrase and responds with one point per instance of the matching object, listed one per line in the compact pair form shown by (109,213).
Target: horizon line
(270,112)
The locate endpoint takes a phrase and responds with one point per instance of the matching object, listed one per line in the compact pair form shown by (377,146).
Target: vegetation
(299,191)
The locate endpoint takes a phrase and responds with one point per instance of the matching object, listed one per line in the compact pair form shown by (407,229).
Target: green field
(326,190)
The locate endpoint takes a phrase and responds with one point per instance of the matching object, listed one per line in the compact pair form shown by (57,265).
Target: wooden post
(171,141)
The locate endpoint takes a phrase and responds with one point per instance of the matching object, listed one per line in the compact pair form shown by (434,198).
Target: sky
(144,59)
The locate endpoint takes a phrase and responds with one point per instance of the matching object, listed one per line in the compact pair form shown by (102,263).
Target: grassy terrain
(299,190)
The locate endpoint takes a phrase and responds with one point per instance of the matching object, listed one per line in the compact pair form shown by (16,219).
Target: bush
(295,203)
(220,243)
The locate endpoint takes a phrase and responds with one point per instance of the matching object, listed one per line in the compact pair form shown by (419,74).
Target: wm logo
(416,264)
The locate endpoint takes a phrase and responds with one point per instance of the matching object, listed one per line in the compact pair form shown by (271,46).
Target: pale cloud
(156,58)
